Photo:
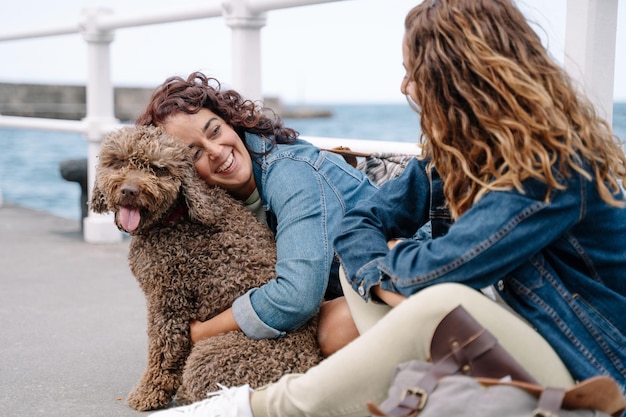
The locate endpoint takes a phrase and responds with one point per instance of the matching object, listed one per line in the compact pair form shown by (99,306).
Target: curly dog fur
(194,250)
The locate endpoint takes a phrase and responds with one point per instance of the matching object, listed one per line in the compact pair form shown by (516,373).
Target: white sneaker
(228,402)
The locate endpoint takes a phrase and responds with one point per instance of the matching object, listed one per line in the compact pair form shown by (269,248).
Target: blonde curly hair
(497,110)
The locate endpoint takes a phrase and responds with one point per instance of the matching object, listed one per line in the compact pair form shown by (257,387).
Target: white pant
(362,371)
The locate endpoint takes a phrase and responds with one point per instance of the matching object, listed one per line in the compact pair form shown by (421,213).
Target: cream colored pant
(362,371)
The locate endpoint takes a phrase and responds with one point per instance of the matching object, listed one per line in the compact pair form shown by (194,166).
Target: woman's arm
(501,231)
(295,193)
(222,323)
(398,209)
(390,298)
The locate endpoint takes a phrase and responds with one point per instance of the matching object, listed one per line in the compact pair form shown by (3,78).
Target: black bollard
(75,170)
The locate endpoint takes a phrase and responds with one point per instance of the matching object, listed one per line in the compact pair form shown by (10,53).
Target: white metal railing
(97,28)
(42,124)
(591,27)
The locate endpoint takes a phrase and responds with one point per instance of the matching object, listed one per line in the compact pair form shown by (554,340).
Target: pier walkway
(72,335)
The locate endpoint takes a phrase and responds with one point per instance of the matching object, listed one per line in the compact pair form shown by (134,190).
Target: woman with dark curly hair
(524,186)
(299,191)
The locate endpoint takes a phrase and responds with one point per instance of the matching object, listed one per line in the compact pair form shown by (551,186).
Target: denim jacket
(305,193)
(561,265)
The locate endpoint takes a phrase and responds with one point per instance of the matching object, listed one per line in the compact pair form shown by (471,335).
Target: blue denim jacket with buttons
(305,193)
(561,265)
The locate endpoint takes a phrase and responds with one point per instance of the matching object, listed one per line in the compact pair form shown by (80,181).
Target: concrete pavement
(72,335)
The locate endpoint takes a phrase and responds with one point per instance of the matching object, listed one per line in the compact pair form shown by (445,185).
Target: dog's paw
(144,398)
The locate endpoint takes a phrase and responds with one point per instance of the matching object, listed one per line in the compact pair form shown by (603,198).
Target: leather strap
(457,333)
(460,355)
(599,393)
(550,402)
(348,155)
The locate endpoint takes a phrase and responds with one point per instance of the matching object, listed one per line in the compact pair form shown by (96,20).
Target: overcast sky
(346,51)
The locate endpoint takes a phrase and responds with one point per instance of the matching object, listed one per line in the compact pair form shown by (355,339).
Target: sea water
(30,159)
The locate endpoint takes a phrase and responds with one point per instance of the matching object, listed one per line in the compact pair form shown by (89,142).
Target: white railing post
(590,39)
(246,47)
(100,117)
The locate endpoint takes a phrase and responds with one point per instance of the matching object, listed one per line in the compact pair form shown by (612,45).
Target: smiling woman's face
(219,155)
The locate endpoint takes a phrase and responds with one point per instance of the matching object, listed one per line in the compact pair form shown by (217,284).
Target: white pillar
(246,48)
(590,40)
(100,118)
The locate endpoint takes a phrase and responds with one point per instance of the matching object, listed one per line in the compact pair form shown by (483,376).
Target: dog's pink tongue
(129,217)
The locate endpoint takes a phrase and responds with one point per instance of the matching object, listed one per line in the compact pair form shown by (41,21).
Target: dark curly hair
(179,95)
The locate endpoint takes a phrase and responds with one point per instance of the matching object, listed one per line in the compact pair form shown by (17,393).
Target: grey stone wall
(66,101)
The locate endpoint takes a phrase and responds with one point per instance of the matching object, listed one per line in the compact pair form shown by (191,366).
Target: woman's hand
(389,297)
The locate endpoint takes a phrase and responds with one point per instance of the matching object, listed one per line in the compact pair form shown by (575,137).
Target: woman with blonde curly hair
(523,185)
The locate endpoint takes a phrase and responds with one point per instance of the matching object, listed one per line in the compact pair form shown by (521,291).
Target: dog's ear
(206,204)
(98,203)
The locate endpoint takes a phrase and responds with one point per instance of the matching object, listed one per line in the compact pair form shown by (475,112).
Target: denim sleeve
(397,210)
(295,194)
(495,236)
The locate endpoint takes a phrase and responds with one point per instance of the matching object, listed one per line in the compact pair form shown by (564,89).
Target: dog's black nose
(129,190)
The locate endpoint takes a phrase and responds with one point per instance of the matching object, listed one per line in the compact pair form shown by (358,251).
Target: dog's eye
(160,171)
(114,162)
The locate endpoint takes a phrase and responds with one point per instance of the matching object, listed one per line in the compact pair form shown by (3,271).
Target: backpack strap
(461,345)
(596,393)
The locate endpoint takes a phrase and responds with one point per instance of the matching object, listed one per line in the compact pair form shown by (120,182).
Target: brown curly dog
(194,250)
